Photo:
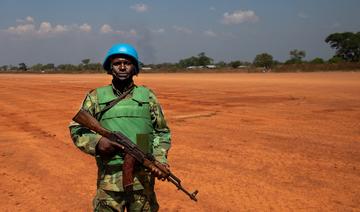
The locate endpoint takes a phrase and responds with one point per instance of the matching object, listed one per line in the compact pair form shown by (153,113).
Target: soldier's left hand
(161,175)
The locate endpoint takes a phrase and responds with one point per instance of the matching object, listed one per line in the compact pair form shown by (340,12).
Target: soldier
(139,117)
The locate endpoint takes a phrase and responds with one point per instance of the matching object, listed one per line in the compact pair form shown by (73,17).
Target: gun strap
(109,105)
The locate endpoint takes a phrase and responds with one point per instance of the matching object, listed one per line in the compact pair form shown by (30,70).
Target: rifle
(132,153)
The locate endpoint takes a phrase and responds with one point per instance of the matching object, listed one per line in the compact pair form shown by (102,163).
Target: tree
(23,67)
(67,67)
(347,45)
(204,60)
(317,60)
(264,60)
(336,59)
(235,64)
(200,60)
(191,61)
(85,61)
(84,64)
(297,55)
(49,66)
(37,67)
(13,68)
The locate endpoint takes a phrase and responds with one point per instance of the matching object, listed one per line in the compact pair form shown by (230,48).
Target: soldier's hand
(157,172)
(105,148)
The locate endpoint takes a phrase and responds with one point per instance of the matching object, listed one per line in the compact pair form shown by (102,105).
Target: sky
(68,31)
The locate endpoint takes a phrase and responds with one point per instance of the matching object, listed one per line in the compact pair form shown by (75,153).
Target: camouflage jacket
(110,178)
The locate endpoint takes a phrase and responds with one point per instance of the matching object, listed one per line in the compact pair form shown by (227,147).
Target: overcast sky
(67,31)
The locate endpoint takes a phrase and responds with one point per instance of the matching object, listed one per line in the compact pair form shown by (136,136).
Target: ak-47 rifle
(132,153)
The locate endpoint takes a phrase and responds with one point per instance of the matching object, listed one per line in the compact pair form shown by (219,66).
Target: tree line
(85,65)
(346,45)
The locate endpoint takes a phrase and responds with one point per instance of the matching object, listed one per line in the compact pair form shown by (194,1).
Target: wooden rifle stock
(132,153)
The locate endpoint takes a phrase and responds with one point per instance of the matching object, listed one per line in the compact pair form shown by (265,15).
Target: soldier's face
(122,68)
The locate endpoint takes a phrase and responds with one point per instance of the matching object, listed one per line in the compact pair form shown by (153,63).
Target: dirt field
(247,142)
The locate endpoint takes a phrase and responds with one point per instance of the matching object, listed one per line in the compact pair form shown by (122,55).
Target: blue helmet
(121,49)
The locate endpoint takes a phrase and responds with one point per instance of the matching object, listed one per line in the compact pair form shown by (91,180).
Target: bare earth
(247,142)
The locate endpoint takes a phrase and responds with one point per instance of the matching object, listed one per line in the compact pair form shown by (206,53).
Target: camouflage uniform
(110,192)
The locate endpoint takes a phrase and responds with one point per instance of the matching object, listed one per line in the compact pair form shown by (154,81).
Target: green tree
(347,45)
(37,67)
(67,67)
(317,60)
(264,60)
(204,60)
(49,66)
(200,60)
(336,59)
(235,64)
(84,64)
(297,55)
(23,67)
(94,66)
(85,61)
(13,68)
(191,61)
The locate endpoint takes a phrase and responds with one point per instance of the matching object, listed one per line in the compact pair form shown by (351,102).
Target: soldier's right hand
(105,148)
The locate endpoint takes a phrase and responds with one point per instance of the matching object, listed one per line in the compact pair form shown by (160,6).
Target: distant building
(194,67)
(211,66)
(146,68)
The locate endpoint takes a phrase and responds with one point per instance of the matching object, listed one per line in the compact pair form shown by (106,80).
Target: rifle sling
(109,105)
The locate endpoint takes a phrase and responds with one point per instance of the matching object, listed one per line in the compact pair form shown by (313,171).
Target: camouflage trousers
(140,200)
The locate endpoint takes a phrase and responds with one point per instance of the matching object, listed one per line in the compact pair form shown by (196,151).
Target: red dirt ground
(247,142)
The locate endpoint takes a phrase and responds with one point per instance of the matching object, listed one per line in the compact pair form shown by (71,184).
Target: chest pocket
(131,109)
